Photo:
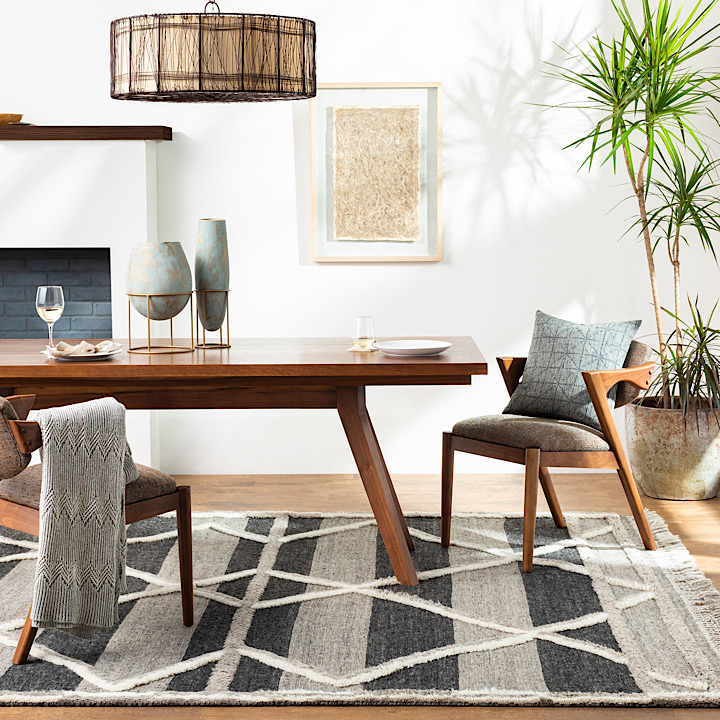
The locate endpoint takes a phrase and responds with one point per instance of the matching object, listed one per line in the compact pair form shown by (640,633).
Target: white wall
(522,229)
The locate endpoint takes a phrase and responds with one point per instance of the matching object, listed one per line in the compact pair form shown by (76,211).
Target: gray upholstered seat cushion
(520,431)
(24,489)
(150,483)
(12,461)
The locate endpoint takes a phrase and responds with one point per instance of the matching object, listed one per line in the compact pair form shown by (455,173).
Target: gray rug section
(300,609)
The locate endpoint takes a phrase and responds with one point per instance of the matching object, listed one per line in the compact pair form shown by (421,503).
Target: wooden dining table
(256,373)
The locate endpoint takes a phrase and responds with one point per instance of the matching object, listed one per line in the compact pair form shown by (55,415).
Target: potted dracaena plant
(647,87)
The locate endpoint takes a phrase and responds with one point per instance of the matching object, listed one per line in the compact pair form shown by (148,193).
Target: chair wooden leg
(532,474)
(551,497)
(448,458)
(27,637)
(633,498)
(184,525)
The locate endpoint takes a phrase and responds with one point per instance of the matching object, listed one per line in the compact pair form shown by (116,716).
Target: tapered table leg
(378,486)
(406,532)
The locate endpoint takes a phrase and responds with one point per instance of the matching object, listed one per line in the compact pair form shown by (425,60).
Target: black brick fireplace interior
(83,273)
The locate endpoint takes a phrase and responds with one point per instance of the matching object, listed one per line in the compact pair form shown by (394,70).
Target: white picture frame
(332,98)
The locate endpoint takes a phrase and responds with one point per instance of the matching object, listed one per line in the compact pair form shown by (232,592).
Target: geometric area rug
(304,608)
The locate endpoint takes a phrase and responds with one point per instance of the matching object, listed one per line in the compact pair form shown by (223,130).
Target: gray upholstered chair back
(12,461)
(638,354)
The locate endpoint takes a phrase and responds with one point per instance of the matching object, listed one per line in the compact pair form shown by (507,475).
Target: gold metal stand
(212,345)
(151,349)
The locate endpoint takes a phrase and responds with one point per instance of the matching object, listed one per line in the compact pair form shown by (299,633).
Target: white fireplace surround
(86,194)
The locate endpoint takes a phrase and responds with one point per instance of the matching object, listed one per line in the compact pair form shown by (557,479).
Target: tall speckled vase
(212,272)
(157,268)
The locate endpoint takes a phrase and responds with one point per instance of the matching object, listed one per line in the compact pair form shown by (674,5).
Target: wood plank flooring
(697,523)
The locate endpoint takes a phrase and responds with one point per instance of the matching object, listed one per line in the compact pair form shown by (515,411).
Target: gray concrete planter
(672,460)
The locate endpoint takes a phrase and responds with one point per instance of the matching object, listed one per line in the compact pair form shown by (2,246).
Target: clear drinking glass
(50,303)
(364,337)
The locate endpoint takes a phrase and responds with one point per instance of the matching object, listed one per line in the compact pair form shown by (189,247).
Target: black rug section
(192,680)
(399,630)
(87,651)
(260,526)
(214,625)
(254,676)
(546,529)
(152,526)
(7,549)
(6,567)
(555,595)
(38,676)
(569,670)
(271,628)
(18,535)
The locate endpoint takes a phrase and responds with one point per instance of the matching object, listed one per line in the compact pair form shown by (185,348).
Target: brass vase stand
(205,345)
(151,349)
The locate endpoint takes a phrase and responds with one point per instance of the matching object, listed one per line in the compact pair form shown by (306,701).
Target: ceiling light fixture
(212,57)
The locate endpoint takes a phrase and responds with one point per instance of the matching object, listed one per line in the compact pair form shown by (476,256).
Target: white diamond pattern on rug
(303,608)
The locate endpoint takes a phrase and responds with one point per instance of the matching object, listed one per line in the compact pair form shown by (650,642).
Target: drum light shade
(212,57)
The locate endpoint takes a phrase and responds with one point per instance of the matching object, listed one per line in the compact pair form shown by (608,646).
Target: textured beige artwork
(376,173)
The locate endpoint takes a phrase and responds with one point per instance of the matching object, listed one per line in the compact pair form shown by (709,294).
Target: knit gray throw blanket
(81,553)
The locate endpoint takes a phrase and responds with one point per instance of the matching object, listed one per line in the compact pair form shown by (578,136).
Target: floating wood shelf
(85,132)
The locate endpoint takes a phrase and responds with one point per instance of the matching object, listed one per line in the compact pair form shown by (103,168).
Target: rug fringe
(491,698)
(695,588)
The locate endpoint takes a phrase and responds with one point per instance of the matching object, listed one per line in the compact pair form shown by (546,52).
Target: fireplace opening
(83,273)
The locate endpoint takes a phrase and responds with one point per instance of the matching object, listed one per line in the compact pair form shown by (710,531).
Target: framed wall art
(377,172)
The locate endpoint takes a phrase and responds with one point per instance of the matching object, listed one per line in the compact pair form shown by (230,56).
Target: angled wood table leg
(378,486)
(406,532)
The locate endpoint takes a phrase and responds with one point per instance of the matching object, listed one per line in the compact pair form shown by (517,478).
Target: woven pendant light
(212,57)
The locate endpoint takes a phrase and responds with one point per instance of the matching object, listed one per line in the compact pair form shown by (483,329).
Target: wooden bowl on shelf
(10,118)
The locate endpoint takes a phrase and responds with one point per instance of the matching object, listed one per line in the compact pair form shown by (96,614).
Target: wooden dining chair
(153,493)
(540,443)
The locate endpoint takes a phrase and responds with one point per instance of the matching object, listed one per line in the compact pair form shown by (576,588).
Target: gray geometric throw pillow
(552,385)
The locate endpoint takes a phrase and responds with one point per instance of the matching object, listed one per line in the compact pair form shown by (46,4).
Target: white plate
(84,358)
(404,348)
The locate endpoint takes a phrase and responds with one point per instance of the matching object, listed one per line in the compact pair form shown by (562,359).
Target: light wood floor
(697,523)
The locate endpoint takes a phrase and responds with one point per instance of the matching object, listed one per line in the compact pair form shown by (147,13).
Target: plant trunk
(675,259)
(638,185)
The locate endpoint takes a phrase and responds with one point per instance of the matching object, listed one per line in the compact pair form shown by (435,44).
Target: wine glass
(50,303)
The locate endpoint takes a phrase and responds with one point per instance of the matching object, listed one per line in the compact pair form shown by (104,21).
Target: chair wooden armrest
(22,404)
(598,382)
(512,369)
(26,432)
(639,376)
(27,435)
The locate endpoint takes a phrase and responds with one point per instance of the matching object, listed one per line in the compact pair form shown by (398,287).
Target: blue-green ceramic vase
(157,268)
(212,272)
